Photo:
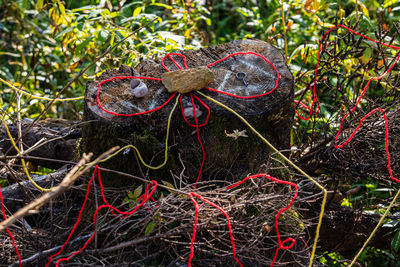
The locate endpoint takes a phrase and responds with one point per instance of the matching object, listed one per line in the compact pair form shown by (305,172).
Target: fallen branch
(46,252)
(67,182)
(14,196)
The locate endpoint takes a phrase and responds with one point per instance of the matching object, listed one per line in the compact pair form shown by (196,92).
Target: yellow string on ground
(137,150)
(22,160)
(288,161)
(39,97)
(376,228)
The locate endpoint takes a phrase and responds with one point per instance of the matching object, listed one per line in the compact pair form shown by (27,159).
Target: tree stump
(231,149)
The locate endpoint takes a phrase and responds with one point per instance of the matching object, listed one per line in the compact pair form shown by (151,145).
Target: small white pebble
(188,111)
(141,90)
(135,83)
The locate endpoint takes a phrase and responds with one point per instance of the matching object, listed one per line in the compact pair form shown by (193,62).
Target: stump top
(243,75)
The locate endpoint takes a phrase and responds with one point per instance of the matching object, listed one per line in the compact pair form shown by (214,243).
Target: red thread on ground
(383,112)
(196,216)
(8,231)
(287,240)
(197,126)
(145,197)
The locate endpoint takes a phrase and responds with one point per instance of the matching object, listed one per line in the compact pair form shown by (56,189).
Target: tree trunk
(226,156)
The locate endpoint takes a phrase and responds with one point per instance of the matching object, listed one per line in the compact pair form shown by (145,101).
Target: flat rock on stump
(226,157)
(185,81)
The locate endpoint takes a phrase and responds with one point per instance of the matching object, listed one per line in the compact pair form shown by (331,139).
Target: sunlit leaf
(39,5)
(137,11)
(84,8)
(161,5)
(61,8)
(243,11)
(83,45)
(311,6)
(67,30)
(365,58)
(103,35)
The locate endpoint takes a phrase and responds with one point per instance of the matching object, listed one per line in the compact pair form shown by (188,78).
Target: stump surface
(226,157)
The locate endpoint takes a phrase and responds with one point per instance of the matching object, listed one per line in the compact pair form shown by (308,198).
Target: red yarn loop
(169,56)
(197,208)
(194,107)
(144,198)
(354,108)
(288,240)
(269,177)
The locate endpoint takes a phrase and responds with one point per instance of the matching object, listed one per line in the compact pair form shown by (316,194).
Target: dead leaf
(236,134)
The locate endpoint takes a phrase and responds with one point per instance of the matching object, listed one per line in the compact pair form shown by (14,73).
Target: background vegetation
(45,44)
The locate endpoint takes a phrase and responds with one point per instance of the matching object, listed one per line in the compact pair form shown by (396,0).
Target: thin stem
(284,33)
(376,228)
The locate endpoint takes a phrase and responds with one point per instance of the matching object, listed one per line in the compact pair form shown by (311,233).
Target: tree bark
(59,139)
(225,157)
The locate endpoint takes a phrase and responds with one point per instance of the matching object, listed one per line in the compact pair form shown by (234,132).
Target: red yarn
(173,61)
(202,103)
(313,91)
(77,221)
(132,114)
(383,112)
(145,197)
(8,231)
(198,137)
(280,242)
(196,125)
(245,97)
(196,219)
(315,104)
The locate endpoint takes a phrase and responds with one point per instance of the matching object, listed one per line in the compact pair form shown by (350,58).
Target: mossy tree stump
(226,157)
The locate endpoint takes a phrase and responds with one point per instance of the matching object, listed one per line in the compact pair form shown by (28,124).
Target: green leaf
(39,5)
(168,184)
(366,56)
(103,35)
(150,227)
(396,241)
(161,5)
(84,8)
(137,11)
(84,43)
(130,194)
(389,3)
(137,192)
(243,11)
(370,186)
(67,30)
(61,8)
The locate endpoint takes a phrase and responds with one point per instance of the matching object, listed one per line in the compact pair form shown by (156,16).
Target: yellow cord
(40,97)
(22,160)
(376,228)
(288,161)
(138,152)
(112,155)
